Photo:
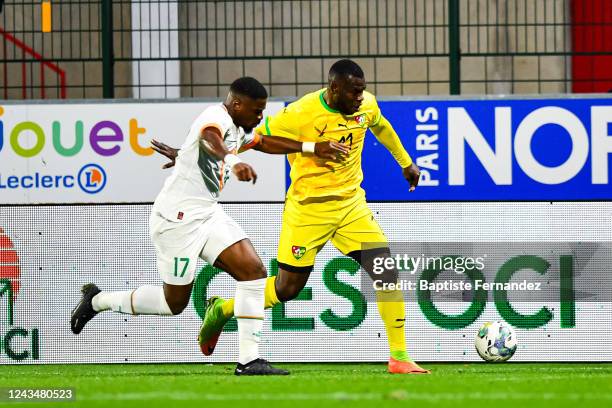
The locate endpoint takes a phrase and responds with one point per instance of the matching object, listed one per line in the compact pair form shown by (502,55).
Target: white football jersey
(198,178)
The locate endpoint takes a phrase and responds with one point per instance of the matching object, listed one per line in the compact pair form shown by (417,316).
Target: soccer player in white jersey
(187,222)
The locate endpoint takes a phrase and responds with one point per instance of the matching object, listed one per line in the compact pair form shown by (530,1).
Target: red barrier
(27,50)
(592,35)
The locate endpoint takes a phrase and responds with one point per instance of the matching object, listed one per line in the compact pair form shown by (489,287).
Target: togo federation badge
(361,119)
(298,251)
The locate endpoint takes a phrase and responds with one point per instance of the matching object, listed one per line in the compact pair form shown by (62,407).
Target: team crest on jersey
(361,119)
(298,251)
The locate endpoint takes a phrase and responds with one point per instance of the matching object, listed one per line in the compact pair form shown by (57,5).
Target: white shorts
(178,244)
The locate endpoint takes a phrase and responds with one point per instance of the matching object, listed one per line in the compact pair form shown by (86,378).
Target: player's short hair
(344,68)
(249,86)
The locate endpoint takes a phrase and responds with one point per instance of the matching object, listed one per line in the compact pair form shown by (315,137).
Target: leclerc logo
(92,178)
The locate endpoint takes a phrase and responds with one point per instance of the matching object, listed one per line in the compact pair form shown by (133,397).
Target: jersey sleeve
(284,124)
(374,114)
(210,118)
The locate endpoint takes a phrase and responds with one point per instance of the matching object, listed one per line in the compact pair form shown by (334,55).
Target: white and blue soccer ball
(495,341)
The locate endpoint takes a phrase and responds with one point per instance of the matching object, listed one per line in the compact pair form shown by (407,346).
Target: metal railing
(188,48)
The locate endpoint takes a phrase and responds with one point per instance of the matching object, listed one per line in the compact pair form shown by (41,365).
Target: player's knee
(177,305)
(372,262)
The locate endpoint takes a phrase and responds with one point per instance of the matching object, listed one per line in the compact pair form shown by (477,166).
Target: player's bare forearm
(212,143)
(280,145)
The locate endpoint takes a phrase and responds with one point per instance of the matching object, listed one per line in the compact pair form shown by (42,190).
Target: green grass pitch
(320,385)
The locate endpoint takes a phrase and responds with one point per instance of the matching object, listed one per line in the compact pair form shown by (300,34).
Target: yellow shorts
(309,224)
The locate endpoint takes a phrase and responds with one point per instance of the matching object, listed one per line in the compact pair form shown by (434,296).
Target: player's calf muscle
(288,292)
(288,285)
(177,297)
(177,305)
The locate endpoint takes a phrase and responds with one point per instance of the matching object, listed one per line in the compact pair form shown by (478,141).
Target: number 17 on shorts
(180,266)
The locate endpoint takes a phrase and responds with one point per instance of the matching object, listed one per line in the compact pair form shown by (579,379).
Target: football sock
(393,313)
(270,298)
(249,311)
(143,300)
(115,301)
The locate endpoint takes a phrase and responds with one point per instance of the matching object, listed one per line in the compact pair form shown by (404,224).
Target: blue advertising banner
(496,149)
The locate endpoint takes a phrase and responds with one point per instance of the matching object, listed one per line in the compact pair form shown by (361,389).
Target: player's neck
(328,101)
(227,105)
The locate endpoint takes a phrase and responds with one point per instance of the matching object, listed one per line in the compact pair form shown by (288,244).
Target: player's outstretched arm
(386,135)
(281,145)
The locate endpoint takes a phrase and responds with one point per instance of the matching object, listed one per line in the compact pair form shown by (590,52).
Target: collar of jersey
(325,105)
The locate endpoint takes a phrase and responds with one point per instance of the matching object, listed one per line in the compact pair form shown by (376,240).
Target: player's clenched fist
(244,172)
(412,174)
(332,150)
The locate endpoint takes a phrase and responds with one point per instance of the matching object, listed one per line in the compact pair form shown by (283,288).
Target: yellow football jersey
(310,119)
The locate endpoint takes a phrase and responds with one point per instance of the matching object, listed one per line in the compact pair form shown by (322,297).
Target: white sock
(143,300)
(249,312)
(115,301)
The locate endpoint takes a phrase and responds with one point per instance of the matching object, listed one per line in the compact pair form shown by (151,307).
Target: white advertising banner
(100,153)
(48,252)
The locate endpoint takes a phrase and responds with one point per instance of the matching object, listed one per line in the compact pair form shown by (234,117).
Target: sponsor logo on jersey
(321,132)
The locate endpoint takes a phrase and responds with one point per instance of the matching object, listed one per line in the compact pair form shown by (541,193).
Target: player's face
(249,112)
(350,94)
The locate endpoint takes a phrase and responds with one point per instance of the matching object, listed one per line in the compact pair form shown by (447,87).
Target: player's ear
(334,87)
(237,103)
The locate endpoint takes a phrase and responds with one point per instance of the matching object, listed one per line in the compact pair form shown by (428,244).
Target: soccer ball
(495,341)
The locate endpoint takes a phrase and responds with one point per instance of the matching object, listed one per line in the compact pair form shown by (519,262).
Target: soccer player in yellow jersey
(326,203)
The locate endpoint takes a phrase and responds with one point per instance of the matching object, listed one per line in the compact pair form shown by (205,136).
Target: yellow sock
(270,292)
(227,308)
(270,298)
(393,313)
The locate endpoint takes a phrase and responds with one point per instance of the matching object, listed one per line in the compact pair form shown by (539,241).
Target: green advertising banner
(546,275)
